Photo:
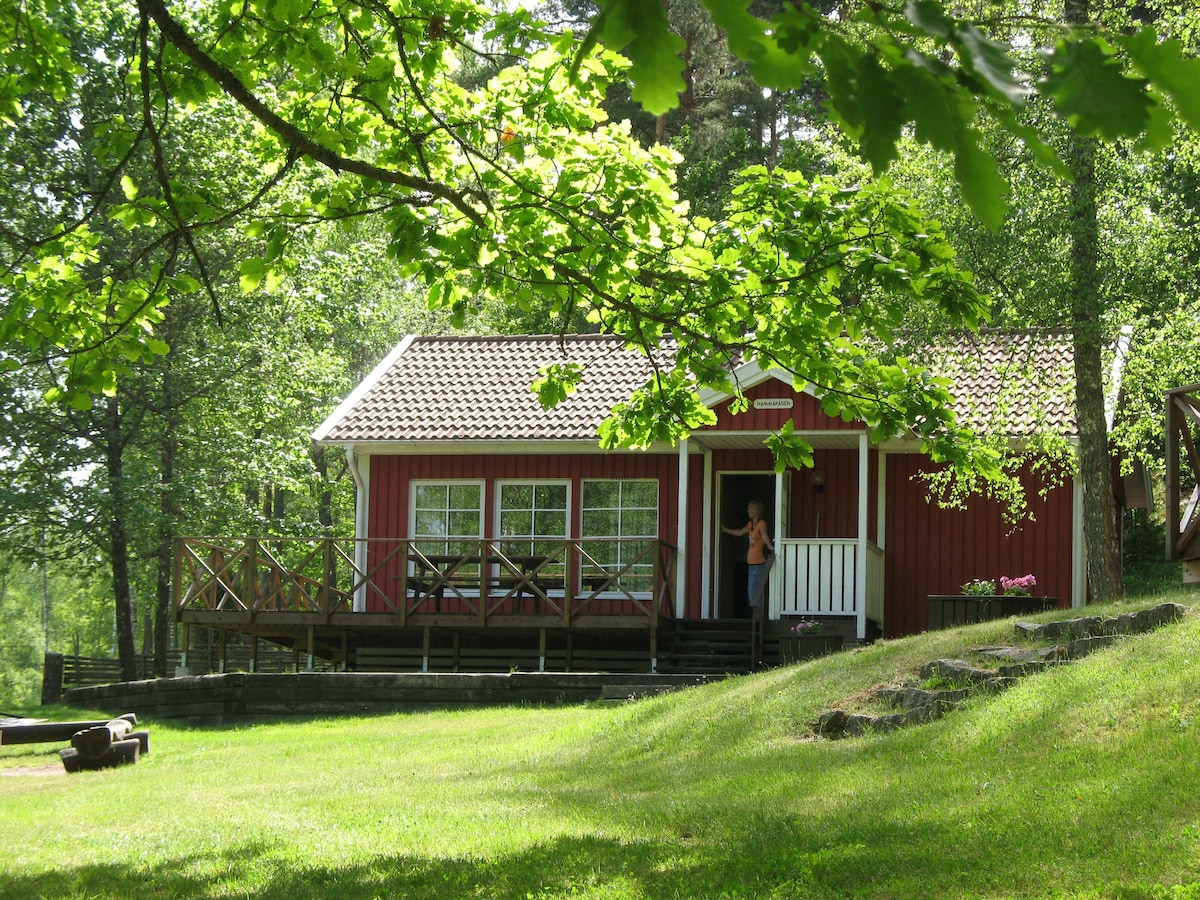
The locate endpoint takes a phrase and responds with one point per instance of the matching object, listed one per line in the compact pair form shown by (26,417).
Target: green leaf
(252,273)
(982,187)
(1091,91)
(930,18)
(640,30)
(555,383)
(1163,63)
(883,113)
(990,62)
(791,451)
(761,44)
(934,107)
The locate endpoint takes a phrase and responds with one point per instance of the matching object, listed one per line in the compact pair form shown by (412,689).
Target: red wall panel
(930,550)
(391,475)
(805,412)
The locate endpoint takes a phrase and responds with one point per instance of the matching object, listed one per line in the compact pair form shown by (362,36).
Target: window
(533,517)
(447,517)
(532,525)
(620,531)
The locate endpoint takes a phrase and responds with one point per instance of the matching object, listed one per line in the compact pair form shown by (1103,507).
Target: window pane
(639,522)
(551,496)
(514,522)
(600,494)
(550,522)
(599,523)
(639,493)
(429,522)
(464,496)
(430,496)
(516,496)
(464,524)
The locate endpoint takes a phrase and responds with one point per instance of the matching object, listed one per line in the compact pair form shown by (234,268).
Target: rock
(1029,667)
(1083,646)
(832,723)
(955,670)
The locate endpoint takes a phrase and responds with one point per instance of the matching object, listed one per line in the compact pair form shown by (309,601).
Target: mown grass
(1082,782)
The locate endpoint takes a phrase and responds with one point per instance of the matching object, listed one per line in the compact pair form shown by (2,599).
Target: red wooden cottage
(478,511)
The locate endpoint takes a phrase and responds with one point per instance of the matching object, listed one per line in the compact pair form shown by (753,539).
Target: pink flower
(1022,585)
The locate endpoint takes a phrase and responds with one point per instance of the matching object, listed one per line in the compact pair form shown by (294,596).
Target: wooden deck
(352,601)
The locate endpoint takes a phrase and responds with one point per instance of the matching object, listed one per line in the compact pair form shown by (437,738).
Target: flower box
(948,610)
(796,647)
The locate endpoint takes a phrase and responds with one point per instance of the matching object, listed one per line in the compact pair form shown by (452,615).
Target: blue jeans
(757,572)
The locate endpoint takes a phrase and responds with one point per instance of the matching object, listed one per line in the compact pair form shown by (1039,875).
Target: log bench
(112,743)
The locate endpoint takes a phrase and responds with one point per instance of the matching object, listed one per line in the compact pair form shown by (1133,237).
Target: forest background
(202,426)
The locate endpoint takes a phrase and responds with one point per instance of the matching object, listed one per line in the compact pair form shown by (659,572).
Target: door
(735,490)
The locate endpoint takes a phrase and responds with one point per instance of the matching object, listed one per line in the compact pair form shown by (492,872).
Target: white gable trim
(365,385)
(747,376)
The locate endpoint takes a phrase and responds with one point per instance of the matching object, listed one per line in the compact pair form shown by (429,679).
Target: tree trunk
(325,501)
(166,556)
(1095,472)
(114,448)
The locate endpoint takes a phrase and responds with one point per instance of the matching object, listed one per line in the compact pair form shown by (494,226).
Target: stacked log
(35,732)
(106,745)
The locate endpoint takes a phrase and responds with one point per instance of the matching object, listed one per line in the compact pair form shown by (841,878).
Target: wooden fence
(63,671)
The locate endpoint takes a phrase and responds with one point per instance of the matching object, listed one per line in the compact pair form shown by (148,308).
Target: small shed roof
(438,389)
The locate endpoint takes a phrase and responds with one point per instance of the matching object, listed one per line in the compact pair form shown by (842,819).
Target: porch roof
(460,391)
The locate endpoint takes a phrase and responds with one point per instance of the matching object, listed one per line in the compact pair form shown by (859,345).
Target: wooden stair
(709,647)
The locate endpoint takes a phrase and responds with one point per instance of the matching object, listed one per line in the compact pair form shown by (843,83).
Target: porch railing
(323,577)
(820,577)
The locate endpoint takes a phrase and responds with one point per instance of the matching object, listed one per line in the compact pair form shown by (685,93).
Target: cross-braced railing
(1183,472)
(468,581)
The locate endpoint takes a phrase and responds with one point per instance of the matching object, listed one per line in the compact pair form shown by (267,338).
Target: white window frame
(448,483)
(619,538)
(499,538)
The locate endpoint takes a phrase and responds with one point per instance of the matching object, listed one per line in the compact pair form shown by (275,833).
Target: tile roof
(478,388)
(1016,382)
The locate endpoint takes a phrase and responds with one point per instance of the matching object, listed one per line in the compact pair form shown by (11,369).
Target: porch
(491,605)
(378,603)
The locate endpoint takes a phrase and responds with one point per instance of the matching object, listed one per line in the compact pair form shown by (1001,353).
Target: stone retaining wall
(241,696)
(916,704)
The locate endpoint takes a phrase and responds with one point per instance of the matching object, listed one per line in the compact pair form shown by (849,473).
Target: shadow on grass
(566,867)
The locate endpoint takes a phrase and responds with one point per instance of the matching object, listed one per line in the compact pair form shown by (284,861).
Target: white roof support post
(362,483)
(681,533)
(1078,547)
(860,574)
(775,582)
(706,552)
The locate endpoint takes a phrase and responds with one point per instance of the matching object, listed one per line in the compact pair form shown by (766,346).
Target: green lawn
(1083,781)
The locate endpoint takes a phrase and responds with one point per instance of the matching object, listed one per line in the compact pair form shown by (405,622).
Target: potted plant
(807,639)
(1017,587)
(979,600)
(979,588)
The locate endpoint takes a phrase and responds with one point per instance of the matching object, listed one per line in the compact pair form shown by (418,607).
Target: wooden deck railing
(320,578)
(1183,471)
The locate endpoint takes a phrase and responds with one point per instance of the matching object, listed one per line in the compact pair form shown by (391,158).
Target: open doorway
(735,490)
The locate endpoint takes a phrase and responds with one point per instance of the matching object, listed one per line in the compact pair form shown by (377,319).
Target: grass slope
(1080,782)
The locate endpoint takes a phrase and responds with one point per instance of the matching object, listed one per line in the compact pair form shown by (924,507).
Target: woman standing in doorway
(756,556)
